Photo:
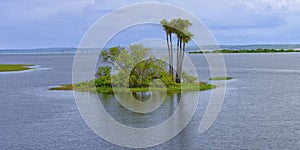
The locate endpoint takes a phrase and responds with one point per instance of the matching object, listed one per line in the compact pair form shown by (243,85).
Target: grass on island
(14,67)
(65,87)
(221,78)
(201,86)
(248,51)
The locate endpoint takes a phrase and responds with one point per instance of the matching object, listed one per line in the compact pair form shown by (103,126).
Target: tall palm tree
(168,30)
(177,29)
(180,27)
(186,37)
(171,45)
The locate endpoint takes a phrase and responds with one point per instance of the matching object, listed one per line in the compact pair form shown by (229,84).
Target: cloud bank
(56,23)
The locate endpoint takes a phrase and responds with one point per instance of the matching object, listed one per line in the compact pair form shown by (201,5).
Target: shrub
(103,81)
(103,71)
(188,78)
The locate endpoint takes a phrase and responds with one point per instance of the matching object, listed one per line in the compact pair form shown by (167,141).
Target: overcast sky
(62,23)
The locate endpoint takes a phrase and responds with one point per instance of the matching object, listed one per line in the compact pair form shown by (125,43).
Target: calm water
(261,108)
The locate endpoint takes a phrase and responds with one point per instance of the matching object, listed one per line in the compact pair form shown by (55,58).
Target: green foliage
(122,59)
(86,84)
(148,70)
(103,81)
(111,55)
(119,80)
(188,78)
(103,71)
(132,66)
(167,79)
(167,26)
(133,80)
(180,26)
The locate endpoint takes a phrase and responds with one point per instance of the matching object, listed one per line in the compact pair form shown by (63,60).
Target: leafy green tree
(103,81)
(122,59)
(103,71)
(150,69)
(139,74)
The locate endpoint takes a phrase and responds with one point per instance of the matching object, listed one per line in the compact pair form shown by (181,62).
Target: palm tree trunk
(169,53)
(182,58)
(172,63)
(177,66)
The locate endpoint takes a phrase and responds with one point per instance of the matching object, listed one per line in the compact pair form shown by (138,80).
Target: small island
(14,67)
(136,70)
(148,72)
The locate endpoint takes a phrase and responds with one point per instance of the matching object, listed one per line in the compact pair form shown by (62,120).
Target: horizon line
(71,47)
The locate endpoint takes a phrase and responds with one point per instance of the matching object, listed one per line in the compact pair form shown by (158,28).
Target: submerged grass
(14,67)
(65,87)
(221,78)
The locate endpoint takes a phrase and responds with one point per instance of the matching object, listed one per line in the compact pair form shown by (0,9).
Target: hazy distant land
(248,51)
(190,49)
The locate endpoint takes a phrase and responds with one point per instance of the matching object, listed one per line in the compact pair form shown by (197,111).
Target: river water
(261,109)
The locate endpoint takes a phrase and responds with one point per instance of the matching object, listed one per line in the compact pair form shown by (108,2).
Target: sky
(62,23)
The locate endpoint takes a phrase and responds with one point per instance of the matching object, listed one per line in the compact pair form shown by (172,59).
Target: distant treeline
(259,50)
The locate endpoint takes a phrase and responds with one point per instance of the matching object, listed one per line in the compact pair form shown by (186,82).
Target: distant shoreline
(266,48)
(248,51)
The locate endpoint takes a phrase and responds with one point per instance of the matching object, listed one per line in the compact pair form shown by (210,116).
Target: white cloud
(269,6)
(38,9)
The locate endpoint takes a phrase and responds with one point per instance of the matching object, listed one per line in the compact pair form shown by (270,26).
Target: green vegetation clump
(13,67)
(221,78)
(129,73)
